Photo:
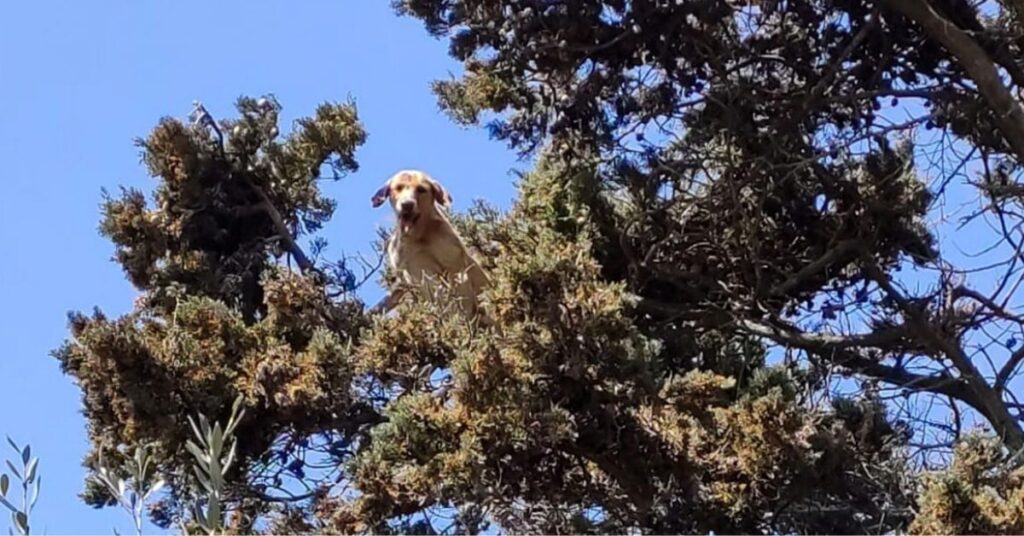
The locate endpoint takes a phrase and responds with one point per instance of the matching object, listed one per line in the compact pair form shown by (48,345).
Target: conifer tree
(717,184)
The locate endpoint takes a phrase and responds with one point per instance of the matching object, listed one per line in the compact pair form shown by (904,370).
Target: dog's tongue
(406,220)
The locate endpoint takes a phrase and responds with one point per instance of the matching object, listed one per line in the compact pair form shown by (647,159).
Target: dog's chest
(415,257)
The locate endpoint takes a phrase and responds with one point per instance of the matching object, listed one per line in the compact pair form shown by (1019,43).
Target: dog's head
(412,194)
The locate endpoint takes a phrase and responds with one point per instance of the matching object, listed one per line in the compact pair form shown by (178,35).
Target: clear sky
(80,80)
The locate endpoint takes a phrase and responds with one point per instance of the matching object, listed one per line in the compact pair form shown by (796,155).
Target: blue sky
(80,80)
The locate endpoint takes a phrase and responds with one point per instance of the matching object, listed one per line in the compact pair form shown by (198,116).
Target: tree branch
(819,89)
(283,499)
(844,249)
(282,230)
(966,14)
(1005,374)
(203,117)
(1008,113)
(988,400)
(839,350)
(821,342)
(964,292)
(970,387)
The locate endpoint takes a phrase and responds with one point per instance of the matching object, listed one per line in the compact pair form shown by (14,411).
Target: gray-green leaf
(30,473)
(204,424)
(214,512)
(35,496)
(195,429)
(229,460)
(199,455)
(9,506)
(203,481)
(156,487)
(201,517)
(20,522)
(13,469)
(216,439)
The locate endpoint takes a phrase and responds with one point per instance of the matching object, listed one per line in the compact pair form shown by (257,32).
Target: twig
(843,249)
(203,118)
(1008,114)
(986,399)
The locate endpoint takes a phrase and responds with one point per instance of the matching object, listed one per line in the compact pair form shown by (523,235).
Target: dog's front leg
(388,302)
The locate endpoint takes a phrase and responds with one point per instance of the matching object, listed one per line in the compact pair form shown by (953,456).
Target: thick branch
(839,350)
(988,400)
(1008,113)
(282,230)
(283,499)
(204,118)
(1006,373)
(967,17)
(971,388)
(821,342)
(842,250)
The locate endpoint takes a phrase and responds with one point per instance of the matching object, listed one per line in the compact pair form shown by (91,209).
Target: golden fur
(424,242)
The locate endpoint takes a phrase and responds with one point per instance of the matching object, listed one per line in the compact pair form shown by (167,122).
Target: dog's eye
(421,189)
(399,187)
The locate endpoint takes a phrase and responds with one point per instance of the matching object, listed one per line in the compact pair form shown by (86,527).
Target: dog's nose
(407,206)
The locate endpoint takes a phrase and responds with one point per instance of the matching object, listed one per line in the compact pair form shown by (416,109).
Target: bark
(979,65)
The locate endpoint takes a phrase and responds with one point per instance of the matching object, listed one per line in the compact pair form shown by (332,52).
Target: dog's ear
(440,194)
(381,196)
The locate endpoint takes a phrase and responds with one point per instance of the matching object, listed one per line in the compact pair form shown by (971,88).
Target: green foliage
(218,319)
(712,180)
(214,454)
(978,494)
(25,470)
(565,407)
(570,411)
(131,494)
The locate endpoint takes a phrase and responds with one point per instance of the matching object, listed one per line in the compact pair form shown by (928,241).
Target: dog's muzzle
(407,210)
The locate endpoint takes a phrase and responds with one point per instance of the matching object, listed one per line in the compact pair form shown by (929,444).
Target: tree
(728,222)
(778,115)
(217,318)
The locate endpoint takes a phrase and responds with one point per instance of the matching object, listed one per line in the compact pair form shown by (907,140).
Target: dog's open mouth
(407,218)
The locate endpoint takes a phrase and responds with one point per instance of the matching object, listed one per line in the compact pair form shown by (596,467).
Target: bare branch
(282,230)
(820,342)
(1006,373)
(997,310)
(204,118)
(1009,115)
(987,398)
(839,350)
(842,250)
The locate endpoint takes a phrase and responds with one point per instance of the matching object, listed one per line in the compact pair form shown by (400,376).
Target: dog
(424,244)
